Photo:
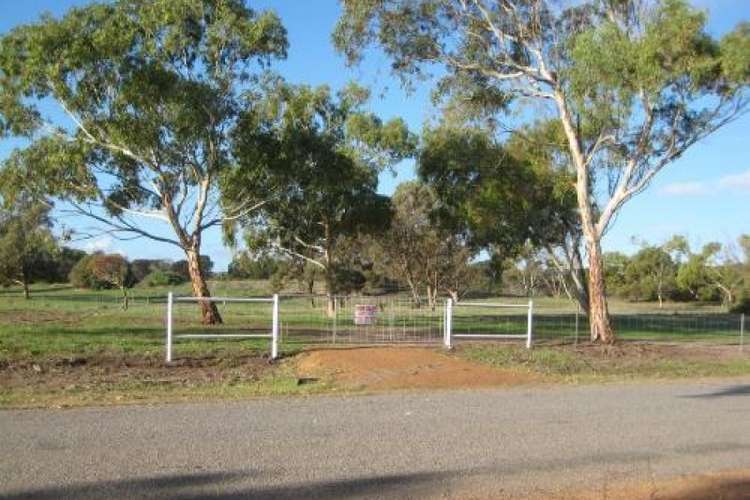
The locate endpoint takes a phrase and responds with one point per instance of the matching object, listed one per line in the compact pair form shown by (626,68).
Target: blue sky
(703,195)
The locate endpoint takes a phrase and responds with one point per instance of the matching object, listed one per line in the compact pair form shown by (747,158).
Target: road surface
(481,443)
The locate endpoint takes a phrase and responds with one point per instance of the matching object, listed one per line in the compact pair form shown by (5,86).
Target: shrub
(741,304)
(162,278)
(82,275)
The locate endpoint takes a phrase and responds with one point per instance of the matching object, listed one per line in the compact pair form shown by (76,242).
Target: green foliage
(143,267)
(633,85)
(422,249)
(151,93)
(649,275)
(742,303)
(100,271)
(27,247)
(247,266)
(277,281)
(500,195)
(330,154)
(63,264)
(615,264)
(82,275)
(160,278)
(158,76)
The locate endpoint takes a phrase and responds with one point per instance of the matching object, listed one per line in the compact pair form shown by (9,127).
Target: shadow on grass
(35,290)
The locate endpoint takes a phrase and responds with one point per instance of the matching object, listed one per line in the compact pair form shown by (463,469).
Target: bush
(742,304)
(82,275)
(100,271)
(245,266)
(143,267)
(162,278)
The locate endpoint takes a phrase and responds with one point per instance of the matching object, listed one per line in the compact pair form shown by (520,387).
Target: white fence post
(275,328)
(169,327)
(448,322)
(528,325)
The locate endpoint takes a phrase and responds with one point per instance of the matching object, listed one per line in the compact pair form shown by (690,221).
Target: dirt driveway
(384,368)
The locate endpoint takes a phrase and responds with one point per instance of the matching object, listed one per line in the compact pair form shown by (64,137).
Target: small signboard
(365,314)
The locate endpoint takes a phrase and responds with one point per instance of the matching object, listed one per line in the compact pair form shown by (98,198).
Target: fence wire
(360,320)
(398,319)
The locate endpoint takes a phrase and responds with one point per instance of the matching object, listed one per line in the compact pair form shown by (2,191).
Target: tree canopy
(28,248)
(330,152)
(632,83)
(151,93)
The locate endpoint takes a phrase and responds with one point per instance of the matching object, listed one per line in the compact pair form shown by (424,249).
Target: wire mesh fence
(372,319)
(679,327)
(359,320)
(389,319)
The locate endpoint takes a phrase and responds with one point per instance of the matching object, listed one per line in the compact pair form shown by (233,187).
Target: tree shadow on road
(735,390)
(235,485)
(219,486)
(725,489)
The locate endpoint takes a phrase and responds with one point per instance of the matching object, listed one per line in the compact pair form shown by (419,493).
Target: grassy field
(70,347)
(60,321)
(587,363)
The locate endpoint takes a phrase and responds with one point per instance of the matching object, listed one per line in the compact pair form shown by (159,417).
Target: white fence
(449,335)
(273,335)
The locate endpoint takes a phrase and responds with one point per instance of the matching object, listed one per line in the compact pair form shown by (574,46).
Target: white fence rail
(449,335)
(273,335)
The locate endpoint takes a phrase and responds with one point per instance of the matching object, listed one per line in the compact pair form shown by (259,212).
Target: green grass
(279,381)
(568,364)
(60,323)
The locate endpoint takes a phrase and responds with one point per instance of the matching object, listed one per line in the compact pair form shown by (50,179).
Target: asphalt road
(485,443)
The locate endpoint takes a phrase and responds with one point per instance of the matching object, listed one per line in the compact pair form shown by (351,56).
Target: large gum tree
(633,83)
(127,109)
(326,152)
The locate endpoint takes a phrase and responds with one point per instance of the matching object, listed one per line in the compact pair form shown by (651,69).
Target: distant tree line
(31,253)
(672,271)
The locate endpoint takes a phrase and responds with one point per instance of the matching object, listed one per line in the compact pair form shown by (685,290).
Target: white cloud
(739,182)
(733,182)
(100,244)
(103,244)
(693,188)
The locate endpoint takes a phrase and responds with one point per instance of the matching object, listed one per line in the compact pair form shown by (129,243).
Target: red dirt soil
(382,368)
(727,485)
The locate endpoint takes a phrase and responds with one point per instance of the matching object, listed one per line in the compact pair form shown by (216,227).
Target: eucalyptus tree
(325,153)
(145,97)
(500,196)
(650,274)
(27,246)
(713,272)
(422,252)
(633,83)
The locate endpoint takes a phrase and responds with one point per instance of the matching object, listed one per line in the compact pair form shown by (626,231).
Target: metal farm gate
(400,320)
(361,320)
